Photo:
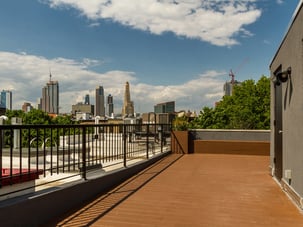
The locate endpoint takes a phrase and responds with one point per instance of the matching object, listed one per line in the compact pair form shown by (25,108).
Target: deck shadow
(100,206)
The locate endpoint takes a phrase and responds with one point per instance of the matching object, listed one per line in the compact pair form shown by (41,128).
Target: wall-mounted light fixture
(282,76)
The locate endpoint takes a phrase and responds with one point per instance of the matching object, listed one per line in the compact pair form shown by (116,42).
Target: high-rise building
(50,97)
(99,107)
(6,99)
(39,104)
(83,108)
(166,107)
(110,105)
(26,107)
(128,105)
(228,86)
(86,99)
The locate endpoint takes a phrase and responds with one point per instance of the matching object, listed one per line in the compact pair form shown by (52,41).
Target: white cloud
(94,24)
(213,21)
(194,94)
(19,73)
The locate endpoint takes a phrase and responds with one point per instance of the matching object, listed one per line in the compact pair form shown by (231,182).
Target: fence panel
(47,155)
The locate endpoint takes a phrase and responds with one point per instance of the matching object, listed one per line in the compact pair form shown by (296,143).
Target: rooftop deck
(193,190)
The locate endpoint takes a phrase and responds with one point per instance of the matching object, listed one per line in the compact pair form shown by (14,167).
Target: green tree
(63,120)
(181,123)
(14,113)
(205,118)
(32,117)
(37,117)
(37,137)
(247,108)
(263,93)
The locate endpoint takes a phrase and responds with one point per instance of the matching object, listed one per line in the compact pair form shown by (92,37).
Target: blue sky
(179,50)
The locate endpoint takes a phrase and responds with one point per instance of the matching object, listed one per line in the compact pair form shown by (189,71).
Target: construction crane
(232,75)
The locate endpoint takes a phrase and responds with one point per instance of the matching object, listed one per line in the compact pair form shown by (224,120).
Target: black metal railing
(44,154)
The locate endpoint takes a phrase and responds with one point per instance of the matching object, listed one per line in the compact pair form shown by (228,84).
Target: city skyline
(49,102)
(167,50)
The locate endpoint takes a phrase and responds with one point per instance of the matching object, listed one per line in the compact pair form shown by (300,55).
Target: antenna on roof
(50,75)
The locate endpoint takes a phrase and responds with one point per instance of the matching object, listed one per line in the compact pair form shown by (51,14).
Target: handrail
(77,152)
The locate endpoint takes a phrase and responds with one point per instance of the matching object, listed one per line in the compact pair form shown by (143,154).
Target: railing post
(1,144)
(147,141)
(161,137)
(83,153)
(124,144)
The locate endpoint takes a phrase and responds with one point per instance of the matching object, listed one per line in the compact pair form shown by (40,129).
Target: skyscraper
(99,107)
(128,105)
(86,99)
(50,97)
(6,99)
(110,105)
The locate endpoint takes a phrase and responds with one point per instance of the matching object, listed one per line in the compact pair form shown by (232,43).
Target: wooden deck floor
(193,190)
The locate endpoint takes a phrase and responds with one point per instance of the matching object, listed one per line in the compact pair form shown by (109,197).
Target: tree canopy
(37,117)
(247,108)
